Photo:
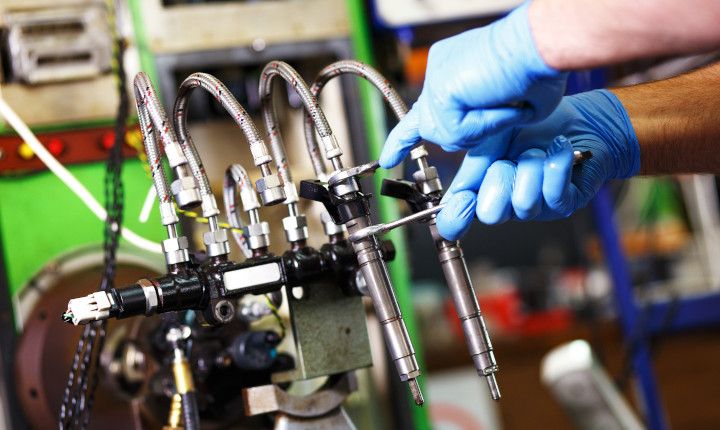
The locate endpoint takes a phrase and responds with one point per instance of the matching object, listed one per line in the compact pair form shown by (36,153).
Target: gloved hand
(535,179)
(478,83)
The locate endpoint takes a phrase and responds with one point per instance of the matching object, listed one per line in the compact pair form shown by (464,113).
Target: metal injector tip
(415,390)
(492,384)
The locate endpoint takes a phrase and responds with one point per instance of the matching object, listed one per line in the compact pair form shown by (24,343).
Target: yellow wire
(202,220)
(274,311)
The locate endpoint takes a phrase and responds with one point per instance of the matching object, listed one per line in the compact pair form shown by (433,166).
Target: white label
(251,276)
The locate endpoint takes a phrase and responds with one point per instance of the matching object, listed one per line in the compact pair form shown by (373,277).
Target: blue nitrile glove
(476,84)
(536,179)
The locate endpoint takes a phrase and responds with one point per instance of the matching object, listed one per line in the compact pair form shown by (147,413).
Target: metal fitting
(428,180)
(331,145)
(258,235)
(259,152)
(151,296)
(347,186)
(418,152)
(175,155)
(216,242)
(295,228)
(271,189)
(209,206)
(329,225)
(178,334)
(291,194)
(186,192)
(167,213)
(176,250)
(224,311)
(249,198)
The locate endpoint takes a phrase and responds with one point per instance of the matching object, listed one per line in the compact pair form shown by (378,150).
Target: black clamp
(409,191)
(341,209)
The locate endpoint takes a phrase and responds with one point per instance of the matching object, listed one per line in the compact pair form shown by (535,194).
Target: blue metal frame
(639,322)
(628,311)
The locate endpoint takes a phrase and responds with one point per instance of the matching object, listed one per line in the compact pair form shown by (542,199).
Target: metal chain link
(84,374)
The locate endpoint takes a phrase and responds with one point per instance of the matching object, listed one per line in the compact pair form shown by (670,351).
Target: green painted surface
(147,58)
(8,130)
(376,128)
(40,217)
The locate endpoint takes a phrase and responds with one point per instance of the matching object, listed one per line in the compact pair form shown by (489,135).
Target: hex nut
(424,175)
(180,184)
(294,222)
(267,182)
(175,244)
(217,236)
(258,229)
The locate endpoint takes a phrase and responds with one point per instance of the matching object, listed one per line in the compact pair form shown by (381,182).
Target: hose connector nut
(428,180)
(331,145)
(216,242)
(209,206)
(186,192)
(295,228)
(271,190)
(291,193)
(249,198)
(176,250)
(418,152)
(258,235)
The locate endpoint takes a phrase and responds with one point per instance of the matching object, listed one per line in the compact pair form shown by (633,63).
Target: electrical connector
(94,307)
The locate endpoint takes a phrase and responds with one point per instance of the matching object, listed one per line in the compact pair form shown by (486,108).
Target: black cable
(190,411)
(84,374)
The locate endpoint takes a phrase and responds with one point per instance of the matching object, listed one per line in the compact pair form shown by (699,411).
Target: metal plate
(330,333)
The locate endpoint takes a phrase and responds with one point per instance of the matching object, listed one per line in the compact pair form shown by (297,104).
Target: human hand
(535,179)
(476,84)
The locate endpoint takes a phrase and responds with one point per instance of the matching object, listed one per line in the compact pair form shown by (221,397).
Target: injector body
(425,193)
(347,205)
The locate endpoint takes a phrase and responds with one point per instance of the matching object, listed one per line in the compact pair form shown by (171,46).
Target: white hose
(67,178)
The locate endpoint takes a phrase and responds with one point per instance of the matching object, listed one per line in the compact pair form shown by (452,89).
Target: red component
(55,146)
(107,140)
(503,312)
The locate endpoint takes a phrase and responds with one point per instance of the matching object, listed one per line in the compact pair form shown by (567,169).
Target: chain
(84,374)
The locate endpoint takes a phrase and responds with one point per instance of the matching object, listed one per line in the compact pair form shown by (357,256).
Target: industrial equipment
(323,288)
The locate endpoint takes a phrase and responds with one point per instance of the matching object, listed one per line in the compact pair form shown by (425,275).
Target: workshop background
(606,319)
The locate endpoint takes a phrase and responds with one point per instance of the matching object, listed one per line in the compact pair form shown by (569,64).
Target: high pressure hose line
(257,233)
(153,120)
(271,185)
(315,114)
(353,67)
(259,150)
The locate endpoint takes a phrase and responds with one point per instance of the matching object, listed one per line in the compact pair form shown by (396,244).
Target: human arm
(677,122)
(509,73)
(579,34)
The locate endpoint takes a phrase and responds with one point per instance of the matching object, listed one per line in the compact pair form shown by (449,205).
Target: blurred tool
(582,387)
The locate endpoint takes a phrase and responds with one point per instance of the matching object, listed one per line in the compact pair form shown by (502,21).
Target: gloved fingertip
(400,140)
(455,219)
(448,194)
(494,196)
(390,158)
(393,153)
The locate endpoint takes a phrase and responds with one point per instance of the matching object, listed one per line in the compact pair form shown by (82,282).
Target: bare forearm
(677,122)
(576,34)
